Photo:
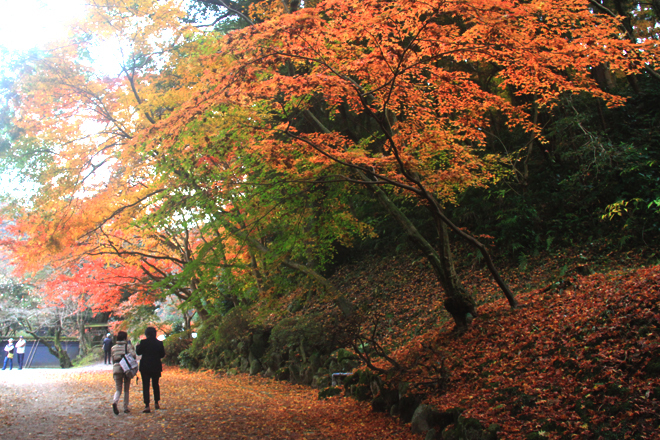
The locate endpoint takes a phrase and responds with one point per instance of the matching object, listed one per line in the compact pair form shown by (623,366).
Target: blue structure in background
(38,356)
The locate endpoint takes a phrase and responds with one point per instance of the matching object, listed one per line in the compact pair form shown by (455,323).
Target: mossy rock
(245,365)
(329,392)
(320,381)
(423,419)
(431,434)
(255,367)
(448,417)
(469,428)
(407,406)
(653,366)
(259,343)
(315,361)
(470,423)
(351,380)
(361,392)
(282,373)
(307,375)
(294,372)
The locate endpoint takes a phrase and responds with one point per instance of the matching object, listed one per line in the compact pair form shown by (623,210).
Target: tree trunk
(55,348)
(83,340)
(458,302)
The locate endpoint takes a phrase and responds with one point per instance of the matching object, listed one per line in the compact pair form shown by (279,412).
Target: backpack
(129,364)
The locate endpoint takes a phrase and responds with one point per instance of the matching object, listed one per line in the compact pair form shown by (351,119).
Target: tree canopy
(237,147)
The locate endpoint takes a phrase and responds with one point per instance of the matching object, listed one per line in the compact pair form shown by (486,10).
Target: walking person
(9,354)
(107,349)
(151,367)
(20,351)
(122,347)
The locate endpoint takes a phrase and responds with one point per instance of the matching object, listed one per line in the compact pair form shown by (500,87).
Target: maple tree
(116,222)
(75,128)
(216,168)
(398,107)
(312,95)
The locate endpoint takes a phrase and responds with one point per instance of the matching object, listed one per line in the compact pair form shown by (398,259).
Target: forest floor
(76,404)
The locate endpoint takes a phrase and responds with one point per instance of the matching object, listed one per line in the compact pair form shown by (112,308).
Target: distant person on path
(107,349)
(9,354)
(152,352)
(20,351)
(122,347)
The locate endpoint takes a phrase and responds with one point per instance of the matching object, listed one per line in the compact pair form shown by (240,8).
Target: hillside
(578,359)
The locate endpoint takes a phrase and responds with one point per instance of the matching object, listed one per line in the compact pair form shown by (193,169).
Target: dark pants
(11,363)
(145,388)
(19,358)
(108,357)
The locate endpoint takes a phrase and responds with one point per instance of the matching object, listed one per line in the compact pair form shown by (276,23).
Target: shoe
(114,409)
(157,405)
(126,411)
(146,410)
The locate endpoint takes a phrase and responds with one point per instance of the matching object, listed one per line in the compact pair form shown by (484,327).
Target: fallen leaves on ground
(582,361)
(69,404)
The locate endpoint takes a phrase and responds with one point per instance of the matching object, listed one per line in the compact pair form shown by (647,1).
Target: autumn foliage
(214,170)
(191,156)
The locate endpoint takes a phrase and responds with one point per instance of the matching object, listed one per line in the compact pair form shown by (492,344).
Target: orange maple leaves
(400,91)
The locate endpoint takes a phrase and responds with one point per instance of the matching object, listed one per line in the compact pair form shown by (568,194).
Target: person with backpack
(121,348)
(152,351)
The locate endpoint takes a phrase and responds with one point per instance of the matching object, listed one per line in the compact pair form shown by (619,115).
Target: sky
(31,23)
(27,24)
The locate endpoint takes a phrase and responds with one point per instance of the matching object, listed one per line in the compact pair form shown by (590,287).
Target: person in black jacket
(152,352)
(107,349)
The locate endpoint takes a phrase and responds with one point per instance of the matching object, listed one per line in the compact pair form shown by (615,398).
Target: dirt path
(76,404)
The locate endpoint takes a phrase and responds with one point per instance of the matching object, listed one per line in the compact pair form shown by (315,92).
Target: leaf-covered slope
(579,357)
(581,361)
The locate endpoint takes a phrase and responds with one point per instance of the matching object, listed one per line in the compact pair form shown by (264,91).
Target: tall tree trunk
(84,342)
(458,301)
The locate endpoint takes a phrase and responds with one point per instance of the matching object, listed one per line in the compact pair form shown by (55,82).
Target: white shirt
(20,346)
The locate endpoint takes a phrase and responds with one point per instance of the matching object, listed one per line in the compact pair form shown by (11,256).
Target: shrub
(218,338)
(174,345)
